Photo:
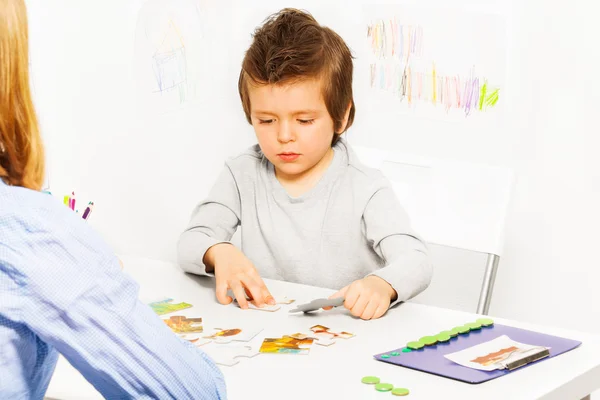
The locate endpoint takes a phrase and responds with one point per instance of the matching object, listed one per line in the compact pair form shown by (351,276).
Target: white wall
(145,171)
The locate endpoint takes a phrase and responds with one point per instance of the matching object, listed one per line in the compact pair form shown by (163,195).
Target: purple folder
(431,358)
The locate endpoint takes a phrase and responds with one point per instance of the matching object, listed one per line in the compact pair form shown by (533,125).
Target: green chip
(395,354)
(385,356)
(485,321)
(400,392)
(370,380)
(461,329)
(406,350)
(473,326)
(450,333)
(415,345)
(443,337)
(428,340)
(384,387)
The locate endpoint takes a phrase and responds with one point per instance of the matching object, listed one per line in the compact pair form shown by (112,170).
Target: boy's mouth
(288,156)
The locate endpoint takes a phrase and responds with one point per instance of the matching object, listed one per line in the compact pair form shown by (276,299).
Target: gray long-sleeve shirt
(350,225)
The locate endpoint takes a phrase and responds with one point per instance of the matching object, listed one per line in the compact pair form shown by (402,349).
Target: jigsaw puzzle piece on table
(197,340)
(317,305)
(224,336)
(167,306)
(183,324)
(230,355)
(318,339)
(323,330)
(251,306)
(322,335)
(287,345)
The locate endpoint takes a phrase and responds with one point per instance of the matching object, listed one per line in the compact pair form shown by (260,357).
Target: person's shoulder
(250,159)
(19,203)
(26,211)
(364,177)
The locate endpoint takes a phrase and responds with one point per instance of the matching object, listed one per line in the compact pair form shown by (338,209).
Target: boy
(309,211)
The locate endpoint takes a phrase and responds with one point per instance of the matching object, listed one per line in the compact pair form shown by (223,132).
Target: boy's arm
(408,267)
(213,221)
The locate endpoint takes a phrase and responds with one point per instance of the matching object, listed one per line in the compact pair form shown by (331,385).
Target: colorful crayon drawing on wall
(453,63)
(168,53)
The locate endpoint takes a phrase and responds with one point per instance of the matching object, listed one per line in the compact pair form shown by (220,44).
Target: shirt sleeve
(213,221)
(408,268)
(75,297)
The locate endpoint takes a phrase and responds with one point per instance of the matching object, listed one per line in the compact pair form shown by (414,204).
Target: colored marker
(88,210)
(73,201)
(67,200)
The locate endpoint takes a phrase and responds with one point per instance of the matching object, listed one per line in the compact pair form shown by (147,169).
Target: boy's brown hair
(290,46)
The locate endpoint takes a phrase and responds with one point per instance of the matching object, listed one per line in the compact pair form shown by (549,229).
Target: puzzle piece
(323,330)
(227,335)
(198,341)
(229,355)
(322,335)
(285,300)
(166,306)
(251,306)
(286,345)
(318,304)
(182,324)
(321,340)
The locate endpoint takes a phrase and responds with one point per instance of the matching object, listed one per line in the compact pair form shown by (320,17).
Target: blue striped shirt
(62,291)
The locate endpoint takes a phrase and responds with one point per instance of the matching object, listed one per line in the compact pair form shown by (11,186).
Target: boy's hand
(234,271)
(367,298)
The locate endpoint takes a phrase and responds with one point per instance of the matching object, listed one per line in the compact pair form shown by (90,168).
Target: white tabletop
(336,371)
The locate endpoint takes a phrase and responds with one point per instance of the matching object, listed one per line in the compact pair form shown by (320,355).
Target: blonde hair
(21,149)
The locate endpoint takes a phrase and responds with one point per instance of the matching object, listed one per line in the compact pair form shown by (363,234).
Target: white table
(335,372)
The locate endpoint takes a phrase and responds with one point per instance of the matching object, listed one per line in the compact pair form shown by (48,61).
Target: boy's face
(292,125)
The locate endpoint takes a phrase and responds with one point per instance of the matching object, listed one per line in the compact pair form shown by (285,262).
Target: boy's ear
(345,120)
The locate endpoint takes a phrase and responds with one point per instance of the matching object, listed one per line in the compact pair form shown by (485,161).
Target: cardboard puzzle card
(322,335)
(182,324)
(324,331)
(166,306)
(286,345)
(321,341)
(194,338)
(251,306)
(236,334)
(494,354)
(230,355)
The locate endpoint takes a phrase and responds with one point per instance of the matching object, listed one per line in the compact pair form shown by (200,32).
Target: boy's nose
(285,133)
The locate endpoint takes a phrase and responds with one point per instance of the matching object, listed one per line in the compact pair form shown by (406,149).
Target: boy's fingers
(370,310)
(239,293)
(270,300)
(359,307)
(380,310)
(338,294)
(255,290)
(351,296)
(221,291)
(264,291)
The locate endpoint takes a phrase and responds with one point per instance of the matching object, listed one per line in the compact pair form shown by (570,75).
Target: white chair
(451,203)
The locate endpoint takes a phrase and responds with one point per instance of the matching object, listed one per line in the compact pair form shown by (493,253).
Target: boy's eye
(265,121)
(306,121)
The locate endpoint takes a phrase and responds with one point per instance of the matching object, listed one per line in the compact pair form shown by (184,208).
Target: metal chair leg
(487,287)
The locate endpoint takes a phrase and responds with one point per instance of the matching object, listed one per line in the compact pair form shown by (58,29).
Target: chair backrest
(450,203)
